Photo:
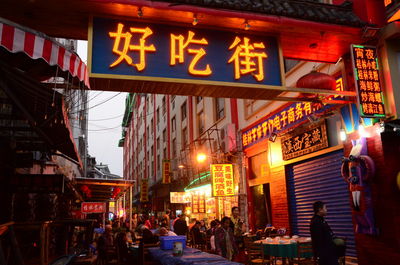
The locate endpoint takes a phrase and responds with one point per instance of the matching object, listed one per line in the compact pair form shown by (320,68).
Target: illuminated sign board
(366,75)
(222,180)
(166,172)
(284,119)
(179,197)
(144,190)
(164,53)
(308,141)
(93,207)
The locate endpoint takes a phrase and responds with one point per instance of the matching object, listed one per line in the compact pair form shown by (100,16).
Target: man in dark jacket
(322,236)
(180,226)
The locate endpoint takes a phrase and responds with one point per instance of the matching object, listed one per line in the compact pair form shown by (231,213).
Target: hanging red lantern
(316,80)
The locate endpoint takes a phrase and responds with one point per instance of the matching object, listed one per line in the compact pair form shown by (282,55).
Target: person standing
(180,226)
(236,225)
(224,240)
(322,236)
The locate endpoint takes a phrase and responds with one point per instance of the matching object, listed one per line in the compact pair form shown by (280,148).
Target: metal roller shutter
(320,179)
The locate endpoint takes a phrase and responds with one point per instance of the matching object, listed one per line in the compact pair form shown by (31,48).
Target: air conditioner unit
(228,138)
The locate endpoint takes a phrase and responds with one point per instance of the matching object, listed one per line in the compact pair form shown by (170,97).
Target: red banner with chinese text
(93,207)
(166,172)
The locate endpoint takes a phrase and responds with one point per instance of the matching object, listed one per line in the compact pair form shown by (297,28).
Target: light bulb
(246,26)
(343,135)
(361,130)
(195,21)
(381,128)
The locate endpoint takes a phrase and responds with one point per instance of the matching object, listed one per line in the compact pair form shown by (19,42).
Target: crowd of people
(223,237)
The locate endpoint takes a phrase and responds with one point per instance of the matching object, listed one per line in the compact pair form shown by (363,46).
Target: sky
(105,121)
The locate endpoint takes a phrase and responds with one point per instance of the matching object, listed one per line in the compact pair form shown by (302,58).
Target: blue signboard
(287,117)
(150,52)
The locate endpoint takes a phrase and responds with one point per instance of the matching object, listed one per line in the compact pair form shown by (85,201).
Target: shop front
(291,166)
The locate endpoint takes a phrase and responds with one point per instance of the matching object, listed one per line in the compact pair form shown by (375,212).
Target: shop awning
(16,39)
(102,189)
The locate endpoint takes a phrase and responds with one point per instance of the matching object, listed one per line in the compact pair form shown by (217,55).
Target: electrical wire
(106,119)
(101,103)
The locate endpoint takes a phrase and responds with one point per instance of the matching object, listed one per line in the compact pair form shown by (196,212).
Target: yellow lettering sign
(178,45)
(126,37)
(246,60)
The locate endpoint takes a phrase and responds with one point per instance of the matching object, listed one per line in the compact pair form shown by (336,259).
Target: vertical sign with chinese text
(366,75)
(144,190)
(195,203)
(222,180)
(166,172)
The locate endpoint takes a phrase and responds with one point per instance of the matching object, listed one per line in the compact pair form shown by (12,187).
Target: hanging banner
(301,143)
(144,190)
(367,80)
(202,203)
(167,53)
(222,180)
(166,172)
(93,207)
(179,197)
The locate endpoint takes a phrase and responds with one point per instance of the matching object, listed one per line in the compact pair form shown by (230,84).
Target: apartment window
(184,138)
(152,126)
(158,163)
(148,133)
(152,151)
(174,148)
(219,108)
(147,104)
(183,111)
(158,115)
(158,143)
(200,122)
(164,135)
(198,99)
(173,124)
(164,106)
(165,153)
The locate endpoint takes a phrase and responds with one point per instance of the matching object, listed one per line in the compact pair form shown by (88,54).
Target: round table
(286,249)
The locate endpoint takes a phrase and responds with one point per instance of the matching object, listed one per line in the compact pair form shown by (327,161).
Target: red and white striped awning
(37,45)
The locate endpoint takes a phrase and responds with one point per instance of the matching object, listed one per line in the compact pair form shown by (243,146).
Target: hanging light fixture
(195,20)
(247,26)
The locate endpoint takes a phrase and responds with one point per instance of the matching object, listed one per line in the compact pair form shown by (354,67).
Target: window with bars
(200,122)
(183,111)
(219,108)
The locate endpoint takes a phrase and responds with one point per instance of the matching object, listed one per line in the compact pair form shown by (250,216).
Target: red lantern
(316,80)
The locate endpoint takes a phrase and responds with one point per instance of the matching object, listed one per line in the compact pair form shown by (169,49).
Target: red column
(155,137)
(190,120)
(250,203)
(168,127)
(234,113)
(145,138)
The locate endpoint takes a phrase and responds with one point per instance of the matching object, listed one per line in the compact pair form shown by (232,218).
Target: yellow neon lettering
(127,37)
(178,53)
(246,60)
(142,48)
(123,55)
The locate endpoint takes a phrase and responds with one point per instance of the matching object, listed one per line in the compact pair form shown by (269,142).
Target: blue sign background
(158,62)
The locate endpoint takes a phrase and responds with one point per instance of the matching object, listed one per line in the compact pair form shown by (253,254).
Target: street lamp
(201,157)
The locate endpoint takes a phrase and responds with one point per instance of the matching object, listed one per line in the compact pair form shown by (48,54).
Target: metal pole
(130,206)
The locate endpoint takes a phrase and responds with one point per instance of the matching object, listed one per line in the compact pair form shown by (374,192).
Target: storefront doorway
(320,179)
(262,202)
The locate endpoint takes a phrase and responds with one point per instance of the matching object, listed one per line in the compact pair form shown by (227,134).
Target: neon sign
(366,74)
(152,52)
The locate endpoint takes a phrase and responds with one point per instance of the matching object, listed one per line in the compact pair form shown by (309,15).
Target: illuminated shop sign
(93,207)
(308,141)
(144,190)
(150,52)
(366,74)
(179,197)
(222,180)
(281,121)
(166,172)
(198,203)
